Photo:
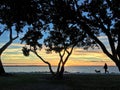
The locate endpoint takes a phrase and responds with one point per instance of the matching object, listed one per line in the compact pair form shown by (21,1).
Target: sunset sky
(13,56)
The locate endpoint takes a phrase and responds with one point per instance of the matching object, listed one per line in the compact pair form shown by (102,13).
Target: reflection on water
(71,69)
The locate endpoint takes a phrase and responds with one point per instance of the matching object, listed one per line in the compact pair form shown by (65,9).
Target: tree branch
(109,3)
(8,43)
(118,47)
(108,34)
(1,32)
(10,36)
(88,30)
(50,67)
(69,53)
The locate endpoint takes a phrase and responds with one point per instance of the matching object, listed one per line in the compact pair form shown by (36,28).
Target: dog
(97,71)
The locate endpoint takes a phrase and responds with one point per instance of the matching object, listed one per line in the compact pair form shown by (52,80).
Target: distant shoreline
(25,66)
(66,73)
(52,66)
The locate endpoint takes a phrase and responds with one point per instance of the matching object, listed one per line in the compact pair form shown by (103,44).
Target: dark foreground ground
(36,81)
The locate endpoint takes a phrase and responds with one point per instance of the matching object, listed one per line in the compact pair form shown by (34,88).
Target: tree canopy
(103,16)
(63,37)
(96,18)
(60,40)
(18,14)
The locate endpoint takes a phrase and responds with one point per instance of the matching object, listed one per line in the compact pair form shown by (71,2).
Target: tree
(16,14)
(98,17)
(59,40)
(103,16)
(63,41)
(64,36)
(11,39)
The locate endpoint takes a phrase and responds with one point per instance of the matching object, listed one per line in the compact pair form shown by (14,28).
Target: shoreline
(55,66)
(68,73)
(68,70)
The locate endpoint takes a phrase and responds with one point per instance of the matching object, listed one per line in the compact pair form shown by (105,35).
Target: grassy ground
(35,81)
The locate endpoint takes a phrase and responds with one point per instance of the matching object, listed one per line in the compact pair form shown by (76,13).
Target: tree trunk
(62,71)
(118,65)
(4,47)
(59,75)
(49,65)
(2,71)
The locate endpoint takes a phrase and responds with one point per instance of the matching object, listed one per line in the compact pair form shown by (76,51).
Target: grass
(36,81)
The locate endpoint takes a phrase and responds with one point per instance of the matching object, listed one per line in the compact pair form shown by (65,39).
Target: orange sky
(13,56)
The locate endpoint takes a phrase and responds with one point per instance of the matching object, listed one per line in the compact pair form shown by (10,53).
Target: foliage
(94,17)
(25,51)
(63,36)
(14,15)
(31,38)
(18,12)
(103,16)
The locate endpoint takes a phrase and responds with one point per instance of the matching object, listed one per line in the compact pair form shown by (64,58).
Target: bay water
(68,69)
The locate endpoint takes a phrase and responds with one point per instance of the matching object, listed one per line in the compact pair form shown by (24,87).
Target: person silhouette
(106,67)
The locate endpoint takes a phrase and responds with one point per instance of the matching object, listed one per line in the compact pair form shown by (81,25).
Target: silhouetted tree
(103,16)
(63,41)
(65,33)
(59,40)
(96,18)
(31,38)
(16,14)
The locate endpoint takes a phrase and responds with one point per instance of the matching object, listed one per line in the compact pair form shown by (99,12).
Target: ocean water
(70,69)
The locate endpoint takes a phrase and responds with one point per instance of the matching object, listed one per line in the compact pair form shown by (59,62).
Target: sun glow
(13,56)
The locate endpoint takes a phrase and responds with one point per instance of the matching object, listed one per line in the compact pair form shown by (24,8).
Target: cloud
(16,44)
(79,56)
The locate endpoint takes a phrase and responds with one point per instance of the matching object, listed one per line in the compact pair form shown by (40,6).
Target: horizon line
(52,65)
